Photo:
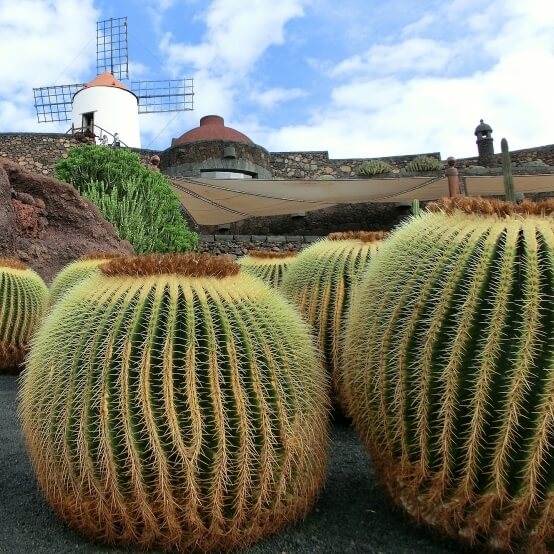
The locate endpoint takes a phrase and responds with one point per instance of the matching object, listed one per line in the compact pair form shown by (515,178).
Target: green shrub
(448,370)
(138,202)
(171,402)
(424,163)
(373,167)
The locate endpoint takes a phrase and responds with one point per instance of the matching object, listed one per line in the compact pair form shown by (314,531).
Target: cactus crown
(13,263)
(484,206)
(364,236)
(100,256)
(190,265)
(270,255)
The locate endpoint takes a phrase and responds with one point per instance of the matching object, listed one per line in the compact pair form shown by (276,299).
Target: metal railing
(97,132)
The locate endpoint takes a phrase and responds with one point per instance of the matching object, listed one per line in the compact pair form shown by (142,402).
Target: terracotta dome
(106,79)
(212,127)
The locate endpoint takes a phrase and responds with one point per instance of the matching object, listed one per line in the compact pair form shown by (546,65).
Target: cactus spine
(320,283)
(171,402)
(449,370)
(75,272)
(23,297)
(267,265)
(507,172)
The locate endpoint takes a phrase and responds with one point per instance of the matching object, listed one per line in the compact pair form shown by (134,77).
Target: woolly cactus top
(490,207)
(13,263)
(271,255)
(364,236)
(100,256)
(189,265)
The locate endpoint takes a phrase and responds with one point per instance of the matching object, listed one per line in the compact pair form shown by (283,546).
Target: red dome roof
(106,79)
(211,128)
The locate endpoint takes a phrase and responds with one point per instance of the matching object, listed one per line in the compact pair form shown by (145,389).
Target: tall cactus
(321,281)
(77,271)
(509,189)
(267,265)
(449,370)
(23,297)
(171,402)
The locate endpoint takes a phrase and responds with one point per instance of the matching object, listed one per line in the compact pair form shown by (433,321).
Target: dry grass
(190,265)
(271,255)
(364,236)
(100,256)
(12,263)
(484,206)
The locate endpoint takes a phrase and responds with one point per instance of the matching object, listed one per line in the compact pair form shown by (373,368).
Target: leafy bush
(374,167)
(424,163)
(138,202)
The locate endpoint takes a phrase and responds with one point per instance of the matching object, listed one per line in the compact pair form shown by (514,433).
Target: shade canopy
(219,201)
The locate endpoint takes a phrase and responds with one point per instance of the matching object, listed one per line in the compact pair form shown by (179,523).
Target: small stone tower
(484,143)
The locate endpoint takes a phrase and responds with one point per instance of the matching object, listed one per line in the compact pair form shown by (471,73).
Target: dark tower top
(483,131)
(484,141)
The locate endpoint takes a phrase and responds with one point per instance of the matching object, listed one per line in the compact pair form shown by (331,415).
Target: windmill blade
(54,103)
(112,51)
(164,96)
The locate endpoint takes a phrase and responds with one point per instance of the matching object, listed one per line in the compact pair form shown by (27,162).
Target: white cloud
(237,35)
(372,115)
(46,47)
(270,98)
(413,55)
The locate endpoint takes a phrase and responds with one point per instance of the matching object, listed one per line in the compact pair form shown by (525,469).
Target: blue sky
(359,78)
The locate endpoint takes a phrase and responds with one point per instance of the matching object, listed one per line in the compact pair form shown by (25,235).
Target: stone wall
(190,159)
(239,245)
(39,152)
(310,165)
(518,157)
(35,152)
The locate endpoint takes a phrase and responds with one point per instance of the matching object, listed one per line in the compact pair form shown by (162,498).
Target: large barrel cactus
(174,403)
(321,282)
(449,370)
(267,265)
(23,297)
(77,271)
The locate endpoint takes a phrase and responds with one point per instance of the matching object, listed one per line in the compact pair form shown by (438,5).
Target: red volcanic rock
(47,224)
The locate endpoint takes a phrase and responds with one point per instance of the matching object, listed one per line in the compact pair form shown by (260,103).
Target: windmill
(105,108)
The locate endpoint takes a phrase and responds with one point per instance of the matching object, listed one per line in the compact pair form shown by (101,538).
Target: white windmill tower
(105,108)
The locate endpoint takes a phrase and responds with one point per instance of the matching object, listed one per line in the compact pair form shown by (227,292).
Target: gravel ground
(352,514)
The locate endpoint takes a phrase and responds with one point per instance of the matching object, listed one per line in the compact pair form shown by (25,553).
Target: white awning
(218,201)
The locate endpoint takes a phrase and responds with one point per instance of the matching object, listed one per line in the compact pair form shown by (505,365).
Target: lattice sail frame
(112,54)
(173,95)
(112,51)
(54,103)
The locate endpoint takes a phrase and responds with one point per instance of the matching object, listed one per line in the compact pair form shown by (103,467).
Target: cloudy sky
(359,78)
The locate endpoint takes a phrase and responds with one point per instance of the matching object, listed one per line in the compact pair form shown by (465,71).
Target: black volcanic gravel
(352,514)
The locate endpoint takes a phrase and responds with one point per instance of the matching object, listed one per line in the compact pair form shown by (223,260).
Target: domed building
(215,151)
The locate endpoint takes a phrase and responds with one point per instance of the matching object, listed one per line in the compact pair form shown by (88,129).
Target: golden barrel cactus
(23,296)
(267,265)
(449,370)
(173,403)
(77,271)
(321,282)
